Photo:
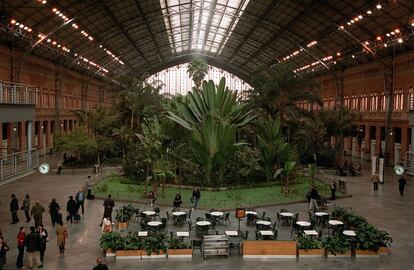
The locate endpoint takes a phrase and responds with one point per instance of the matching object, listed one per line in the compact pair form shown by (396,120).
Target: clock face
(399,170)
(44,168)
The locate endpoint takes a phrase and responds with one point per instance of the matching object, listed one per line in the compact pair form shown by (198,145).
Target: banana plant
(213,116)
(286,174)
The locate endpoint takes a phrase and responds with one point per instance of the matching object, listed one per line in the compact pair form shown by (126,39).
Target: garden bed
(124,189)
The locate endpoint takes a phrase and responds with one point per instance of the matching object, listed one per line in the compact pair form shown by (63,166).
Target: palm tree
(312,133)
(136,95)
(123,135)
(212,115)
(272,146)
(277,91)
(197,70)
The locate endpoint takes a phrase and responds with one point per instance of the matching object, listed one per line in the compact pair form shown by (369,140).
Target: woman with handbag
(61,235)
(45,238)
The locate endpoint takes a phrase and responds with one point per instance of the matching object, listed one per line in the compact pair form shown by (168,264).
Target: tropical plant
(277,90)
(197,70)
(286,174)
(336,244)
(213,116)
(271,144)
(312,133)
(123,136)
(79,142)
(136,95)
(313,171)
(125,213)
(112,241)
(155,243)
(175,243)
(339,124)
(308,242)
(133,241)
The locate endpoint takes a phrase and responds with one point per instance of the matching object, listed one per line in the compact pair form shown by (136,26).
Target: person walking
(59,168)
(33,246)
(100,265)
(26,207)
(61,235)
(177,201)
(333,189)
(108,205)
(3,250)
(314,197)
(45,238)
(21,242)
(375,180)
(89,187)
(72,209)
(54,209)
(80,199)
(196,197)
(401,185)
(37,213)
(14,206)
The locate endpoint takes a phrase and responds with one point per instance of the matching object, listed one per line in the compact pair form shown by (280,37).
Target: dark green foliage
(111,240)
(308,242)
(133,242)
(175,243)
(125,213)
(336,244)
(155,243)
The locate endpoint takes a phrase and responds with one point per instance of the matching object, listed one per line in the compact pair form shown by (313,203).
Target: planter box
(110,253)
(311,253)
(383,250)
(180,254)
(366,254)
(122,225)
(269,249)
(153,255)
(128,254)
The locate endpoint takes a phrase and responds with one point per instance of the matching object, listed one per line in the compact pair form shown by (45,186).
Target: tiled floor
(384,208)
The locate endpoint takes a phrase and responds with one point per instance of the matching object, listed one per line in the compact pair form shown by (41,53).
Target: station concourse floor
(384,208)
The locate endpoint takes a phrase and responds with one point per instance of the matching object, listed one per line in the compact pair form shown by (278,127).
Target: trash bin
(96,168)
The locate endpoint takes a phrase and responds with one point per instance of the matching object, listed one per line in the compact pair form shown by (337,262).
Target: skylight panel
(208,23)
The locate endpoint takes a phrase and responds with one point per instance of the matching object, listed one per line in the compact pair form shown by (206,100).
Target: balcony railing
(17,93)
(17,164)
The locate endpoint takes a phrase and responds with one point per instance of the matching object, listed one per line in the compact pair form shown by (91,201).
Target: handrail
(17,93)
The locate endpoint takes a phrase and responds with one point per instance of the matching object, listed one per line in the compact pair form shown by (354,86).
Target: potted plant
(110,242)
(132,248)
(336,246)
(124,215)
(267,249)
(178,249)
(309,247)
(369,240)
(154,246)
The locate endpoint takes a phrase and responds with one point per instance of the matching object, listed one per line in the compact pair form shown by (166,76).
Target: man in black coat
(108,205)
(14,206)
(33,246)
(71,208)
(100,265)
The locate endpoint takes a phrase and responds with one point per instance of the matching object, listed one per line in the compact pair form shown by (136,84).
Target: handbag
(65,234)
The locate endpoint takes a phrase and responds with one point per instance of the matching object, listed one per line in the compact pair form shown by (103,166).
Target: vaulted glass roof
(201,25)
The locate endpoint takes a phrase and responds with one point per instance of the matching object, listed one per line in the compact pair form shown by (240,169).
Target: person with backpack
(21,243)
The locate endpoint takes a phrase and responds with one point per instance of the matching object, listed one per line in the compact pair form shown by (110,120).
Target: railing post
(14,94)
(26,96)
(15,164)
(1,170)
(1,92)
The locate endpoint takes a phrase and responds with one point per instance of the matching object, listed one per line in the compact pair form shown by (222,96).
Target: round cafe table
(251,213)
(321,214)
(303,223)
(154,223)
(335,222)
(178,213)
(286,214)
(216,213)
(264,222)
(203,223)
(148,213)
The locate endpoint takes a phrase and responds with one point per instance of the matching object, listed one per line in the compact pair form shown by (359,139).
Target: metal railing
(18,163)
(17,93)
